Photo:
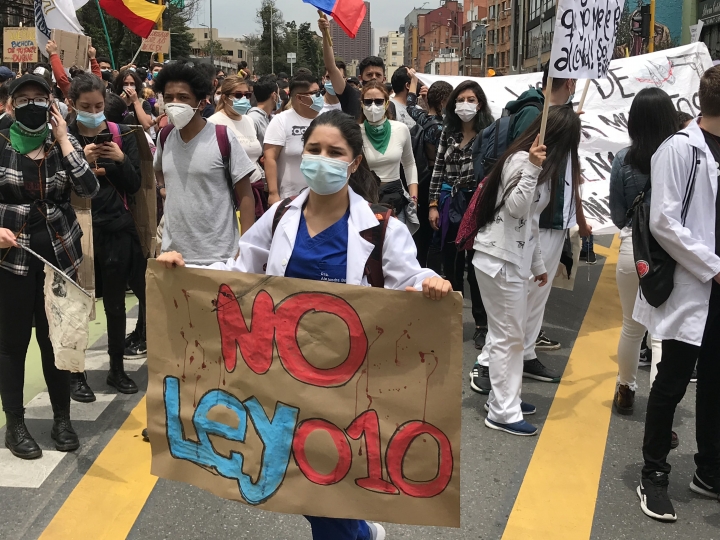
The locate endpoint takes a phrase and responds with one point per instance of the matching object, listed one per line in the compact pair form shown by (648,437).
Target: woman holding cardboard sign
(321,235)
(507,256)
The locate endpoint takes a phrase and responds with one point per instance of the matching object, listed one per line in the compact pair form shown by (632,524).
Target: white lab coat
(682,317)
(261,253)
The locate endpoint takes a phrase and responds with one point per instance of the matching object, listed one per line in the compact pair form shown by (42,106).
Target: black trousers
(454,264)
(673,377)
(21,299)
(119,263)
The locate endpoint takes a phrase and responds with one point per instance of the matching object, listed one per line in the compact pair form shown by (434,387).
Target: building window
(502,35)
(502,59)
(206,35)
(491,12)
(490,60)
(240,53)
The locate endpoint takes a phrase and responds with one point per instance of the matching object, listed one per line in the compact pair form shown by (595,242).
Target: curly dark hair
(438,93)
(184,72)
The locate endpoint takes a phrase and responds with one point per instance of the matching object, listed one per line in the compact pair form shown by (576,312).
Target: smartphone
(103,138)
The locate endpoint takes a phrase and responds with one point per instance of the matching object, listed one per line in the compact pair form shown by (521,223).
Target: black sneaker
(708,486)
(583,255)
(674,440)
(136,349)
(535,369)
(591,257)
(479,337)
(654,500)
(645,358)
(480,379)
(544,343)
(693,377)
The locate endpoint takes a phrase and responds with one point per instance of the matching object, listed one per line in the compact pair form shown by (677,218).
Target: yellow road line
(558,495)
(107,500)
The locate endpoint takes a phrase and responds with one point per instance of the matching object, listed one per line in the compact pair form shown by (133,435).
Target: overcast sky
(234,18)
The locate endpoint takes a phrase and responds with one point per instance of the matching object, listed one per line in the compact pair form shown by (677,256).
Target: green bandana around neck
(24,141)
(379,136)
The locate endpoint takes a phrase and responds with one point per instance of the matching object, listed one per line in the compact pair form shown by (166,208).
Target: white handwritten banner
(677,71)
(584,38)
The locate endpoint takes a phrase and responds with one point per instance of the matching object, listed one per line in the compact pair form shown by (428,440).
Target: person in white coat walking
(318,236)
(508,255)
(684,221)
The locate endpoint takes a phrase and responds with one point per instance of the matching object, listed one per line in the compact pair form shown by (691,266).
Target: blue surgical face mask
(91,120)
(324,176)
(318,103)
(241,106)
(329,88)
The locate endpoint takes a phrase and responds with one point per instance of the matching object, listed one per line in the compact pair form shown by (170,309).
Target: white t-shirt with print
(402,114)
(287,130)
(246,134)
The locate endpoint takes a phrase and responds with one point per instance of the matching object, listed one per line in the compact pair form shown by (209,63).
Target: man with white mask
(192,167)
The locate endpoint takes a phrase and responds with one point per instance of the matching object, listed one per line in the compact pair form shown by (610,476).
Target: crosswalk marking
(39,408)
(100,361)
(22,473)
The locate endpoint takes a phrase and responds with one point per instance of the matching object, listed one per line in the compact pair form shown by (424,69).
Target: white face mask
(126,88)
(374,113)
(466,111)
(180,114)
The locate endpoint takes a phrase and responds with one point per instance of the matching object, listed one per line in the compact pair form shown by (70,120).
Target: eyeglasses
(310,94)
(370,102)
(23,101)
(240,95)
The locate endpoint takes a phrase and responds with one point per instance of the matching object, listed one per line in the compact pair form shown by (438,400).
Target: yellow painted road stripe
(558,495)
(107,500)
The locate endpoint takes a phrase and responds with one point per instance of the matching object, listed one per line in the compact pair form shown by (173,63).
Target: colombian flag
(349,14)
(138,15)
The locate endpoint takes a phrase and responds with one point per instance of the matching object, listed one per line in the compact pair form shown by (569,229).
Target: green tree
(213,47)
(270,20)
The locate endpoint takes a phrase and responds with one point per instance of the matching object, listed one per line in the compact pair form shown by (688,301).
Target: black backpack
(375,235)
(492,142)
(655,267)
(417,135)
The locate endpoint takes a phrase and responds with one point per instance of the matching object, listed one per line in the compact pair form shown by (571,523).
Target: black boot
(118,379)
(79,389)
(66,440)
(18,440)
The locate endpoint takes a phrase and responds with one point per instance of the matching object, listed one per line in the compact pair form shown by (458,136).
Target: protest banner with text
(677,71)
(19,45)
(306,397)
(157,42)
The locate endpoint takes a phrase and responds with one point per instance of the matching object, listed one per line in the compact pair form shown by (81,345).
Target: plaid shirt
(453,165)
(62,173)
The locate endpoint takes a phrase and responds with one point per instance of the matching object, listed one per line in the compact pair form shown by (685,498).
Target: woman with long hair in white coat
(318,237)
(507,255)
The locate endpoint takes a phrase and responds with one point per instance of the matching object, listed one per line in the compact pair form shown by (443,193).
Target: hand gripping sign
(306,397)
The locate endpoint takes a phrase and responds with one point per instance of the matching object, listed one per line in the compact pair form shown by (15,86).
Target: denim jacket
(626,183)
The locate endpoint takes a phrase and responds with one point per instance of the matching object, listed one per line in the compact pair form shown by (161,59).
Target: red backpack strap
(280,212)
(376,236)
(115,130)
(164,132)
(223,142)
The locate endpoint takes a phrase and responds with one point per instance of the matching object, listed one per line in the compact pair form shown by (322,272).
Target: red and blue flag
(349,14)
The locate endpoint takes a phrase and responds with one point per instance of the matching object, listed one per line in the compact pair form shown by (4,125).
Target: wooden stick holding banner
(546,108)
(326,33)
(584,95)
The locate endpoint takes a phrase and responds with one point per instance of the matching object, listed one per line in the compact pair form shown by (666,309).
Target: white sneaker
(377,531)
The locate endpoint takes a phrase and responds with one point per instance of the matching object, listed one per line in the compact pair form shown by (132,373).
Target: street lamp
(212,42)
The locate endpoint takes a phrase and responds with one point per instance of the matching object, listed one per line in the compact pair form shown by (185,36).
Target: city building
(391,51)
(447,62)
(15,12)
(439,29)
(499,33)
(235,50)
(410,29)
(478,49)
(475,15)
(353,49)
(708,11)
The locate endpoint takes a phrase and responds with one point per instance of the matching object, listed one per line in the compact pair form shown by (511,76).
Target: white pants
(632,332)
(551,245)
(505,303)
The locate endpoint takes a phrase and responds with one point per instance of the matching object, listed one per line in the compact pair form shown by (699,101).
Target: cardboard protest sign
(72,48)
(157,42)
(19,45)
(143,204)
(677,71)
(584,38)
(306,397)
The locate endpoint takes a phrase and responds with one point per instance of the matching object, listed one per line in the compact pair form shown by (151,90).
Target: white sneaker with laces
(377,531)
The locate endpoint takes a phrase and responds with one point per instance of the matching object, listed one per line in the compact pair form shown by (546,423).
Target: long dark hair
(652,119)
(362,181)
(120,82)
(482,119)
(561,138)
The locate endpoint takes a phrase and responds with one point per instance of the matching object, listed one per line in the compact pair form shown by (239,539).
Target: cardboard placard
(86,270)
(19,44)
(157,42)
(143,204)
(340,401)
(72,48)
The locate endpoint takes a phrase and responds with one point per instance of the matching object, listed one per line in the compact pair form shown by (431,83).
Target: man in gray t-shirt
(200,219)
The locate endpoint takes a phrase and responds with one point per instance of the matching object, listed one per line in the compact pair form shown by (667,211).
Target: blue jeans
(338,529)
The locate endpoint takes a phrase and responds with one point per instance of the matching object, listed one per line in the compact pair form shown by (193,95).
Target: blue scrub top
(323,257)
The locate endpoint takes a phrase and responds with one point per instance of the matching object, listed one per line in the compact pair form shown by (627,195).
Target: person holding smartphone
(41,166)
(112,152)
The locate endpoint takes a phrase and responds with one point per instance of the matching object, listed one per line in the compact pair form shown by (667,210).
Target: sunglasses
(310,94)
(371,102)
(240,95)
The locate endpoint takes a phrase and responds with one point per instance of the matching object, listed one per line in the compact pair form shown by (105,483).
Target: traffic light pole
(651,39)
